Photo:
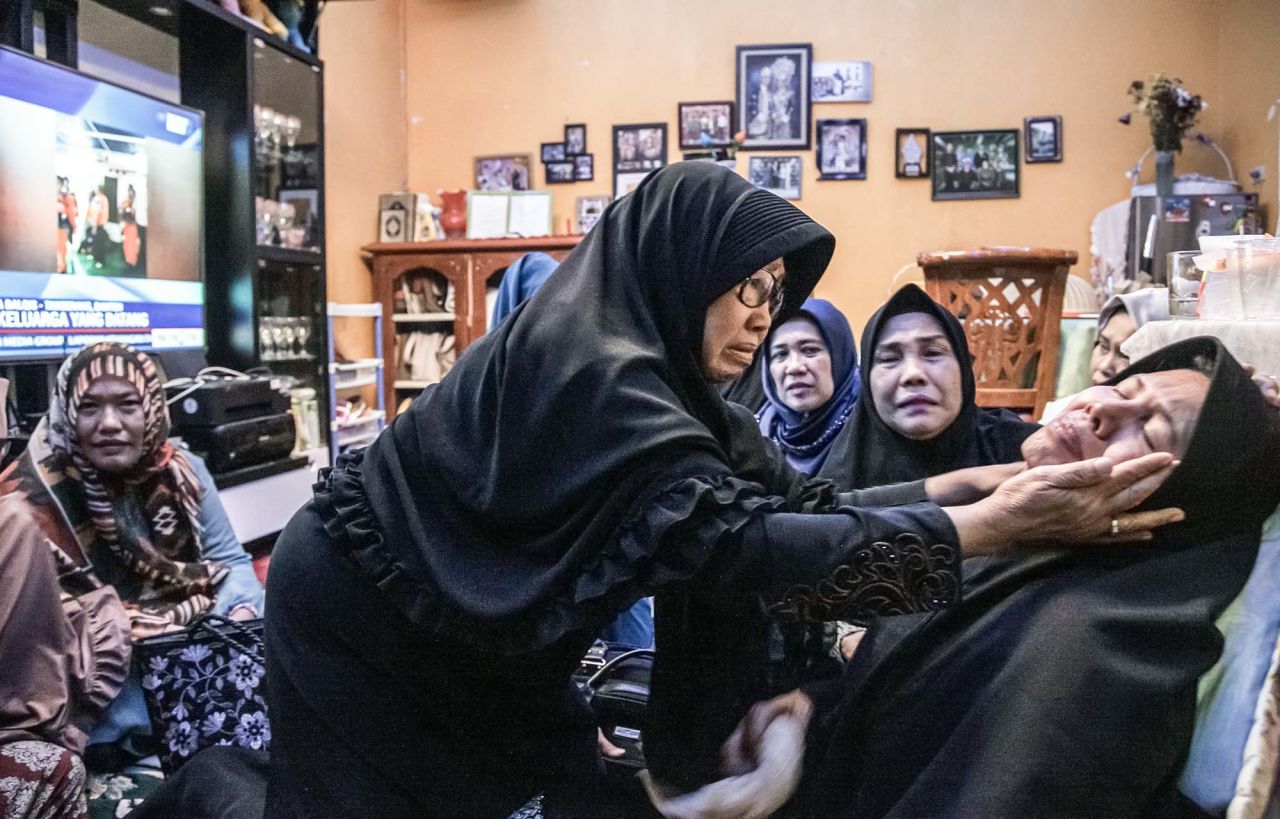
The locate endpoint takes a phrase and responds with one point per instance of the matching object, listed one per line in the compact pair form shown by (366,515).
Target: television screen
(101,214)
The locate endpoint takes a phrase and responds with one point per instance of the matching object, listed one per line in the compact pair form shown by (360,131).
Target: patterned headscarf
(168,554)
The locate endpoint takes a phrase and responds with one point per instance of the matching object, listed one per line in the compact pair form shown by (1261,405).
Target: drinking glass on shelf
(1184,284)
(290,332)
(265,343)
(277,339)
(304,333)
(1259,266)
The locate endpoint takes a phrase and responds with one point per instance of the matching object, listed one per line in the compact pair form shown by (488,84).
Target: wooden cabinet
(469,266)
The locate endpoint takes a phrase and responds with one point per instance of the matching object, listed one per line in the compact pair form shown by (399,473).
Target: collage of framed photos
(776,88)
(568,161)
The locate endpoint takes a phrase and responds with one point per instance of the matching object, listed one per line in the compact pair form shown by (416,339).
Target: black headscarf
(868,452)
(1064,683)
(497,497)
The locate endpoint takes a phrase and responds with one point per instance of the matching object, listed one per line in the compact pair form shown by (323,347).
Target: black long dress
(1063,684)
(429,605)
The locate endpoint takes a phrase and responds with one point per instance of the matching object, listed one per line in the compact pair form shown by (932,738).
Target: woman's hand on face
(970,485)
(1068,504)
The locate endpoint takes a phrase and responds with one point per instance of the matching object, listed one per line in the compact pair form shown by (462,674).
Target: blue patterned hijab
(805,438)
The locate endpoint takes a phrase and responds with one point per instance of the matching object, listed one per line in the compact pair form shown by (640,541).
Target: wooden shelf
(422,318)
(288,255)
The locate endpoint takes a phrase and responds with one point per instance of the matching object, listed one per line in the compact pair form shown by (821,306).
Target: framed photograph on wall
(575,139)
(553,152)
(584,167)
(560,173)
(588,210)
(911,153)
(1043,138)
(705,124)
(508,172)
(975,165)
(842,82)
(842,149)
(776,174)
(773,86)
(624,182)
(639,147)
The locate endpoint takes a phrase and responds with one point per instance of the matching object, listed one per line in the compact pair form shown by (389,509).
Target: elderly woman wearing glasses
(575,459)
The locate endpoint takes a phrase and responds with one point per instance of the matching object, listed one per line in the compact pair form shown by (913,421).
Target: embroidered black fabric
(902,577)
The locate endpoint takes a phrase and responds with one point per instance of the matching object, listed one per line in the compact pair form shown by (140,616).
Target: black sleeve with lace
(849,563)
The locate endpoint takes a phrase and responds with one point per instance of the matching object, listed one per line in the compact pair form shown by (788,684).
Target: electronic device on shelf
(217,401)
(232,420)
(237,444)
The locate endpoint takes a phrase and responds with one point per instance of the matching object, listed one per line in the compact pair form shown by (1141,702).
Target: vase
(1164,173)
(453,216)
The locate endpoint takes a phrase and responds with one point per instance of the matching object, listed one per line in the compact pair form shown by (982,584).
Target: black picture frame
(975,165)
(1042,139)
(638,148)
(690,116)
(553,152)
(780,175)
(788,93)
(575,139)
(584,167)
(560,173)
(903,166)
(842,148)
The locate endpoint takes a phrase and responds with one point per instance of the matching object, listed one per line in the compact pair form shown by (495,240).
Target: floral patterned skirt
(39,780)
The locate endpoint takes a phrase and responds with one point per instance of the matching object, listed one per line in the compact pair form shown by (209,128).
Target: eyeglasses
(761,287)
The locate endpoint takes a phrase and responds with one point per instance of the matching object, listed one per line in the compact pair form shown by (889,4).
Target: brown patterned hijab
(162,544)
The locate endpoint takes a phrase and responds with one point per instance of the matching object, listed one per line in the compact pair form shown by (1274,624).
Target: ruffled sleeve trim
(102,627)
(667,539)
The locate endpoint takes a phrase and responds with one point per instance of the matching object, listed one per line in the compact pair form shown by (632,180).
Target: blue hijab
(522,280)
(805,439)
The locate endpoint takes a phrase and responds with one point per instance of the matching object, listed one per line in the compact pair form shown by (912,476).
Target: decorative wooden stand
(470,266)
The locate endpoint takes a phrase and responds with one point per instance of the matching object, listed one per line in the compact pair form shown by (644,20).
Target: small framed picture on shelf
(705,124)
(1043,138)
(842,82)
(305,201)
(911,154)
(842,149)
(584,167)
(639,147)
(575,139)
(588,210)
(776,174)
(624,182)
(553,152)
(975,165)
(507,172)
(773,86)
(560,173)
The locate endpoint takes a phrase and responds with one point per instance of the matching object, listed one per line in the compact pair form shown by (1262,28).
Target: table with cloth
(1255,342)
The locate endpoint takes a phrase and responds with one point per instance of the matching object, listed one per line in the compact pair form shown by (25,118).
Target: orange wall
(501,76)
(1250,55)
(362,47)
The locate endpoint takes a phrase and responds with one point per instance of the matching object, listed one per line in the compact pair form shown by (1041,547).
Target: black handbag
(204,686)
(618,691)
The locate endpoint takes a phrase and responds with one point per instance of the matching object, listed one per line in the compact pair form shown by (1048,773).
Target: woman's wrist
(977,528)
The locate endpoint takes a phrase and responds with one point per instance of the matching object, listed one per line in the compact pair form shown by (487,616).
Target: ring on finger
(1115,526)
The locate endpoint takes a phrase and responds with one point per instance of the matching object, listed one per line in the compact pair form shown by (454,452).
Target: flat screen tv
(101,214)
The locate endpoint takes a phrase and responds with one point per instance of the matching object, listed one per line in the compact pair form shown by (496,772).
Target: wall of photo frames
(970,78)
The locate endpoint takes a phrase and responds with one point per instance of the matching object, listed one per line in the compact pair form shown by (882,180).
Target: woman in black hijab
(575,459)
(870,452)
(1064,683)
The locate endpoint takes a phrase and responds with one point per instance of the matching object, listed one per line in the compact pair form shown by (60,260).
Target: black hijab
(1064,683)
(868,452)
(498,496)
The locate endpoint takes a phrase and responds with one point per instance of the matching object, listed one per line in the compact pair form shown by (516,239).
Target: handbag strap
(233,632)
(615,662)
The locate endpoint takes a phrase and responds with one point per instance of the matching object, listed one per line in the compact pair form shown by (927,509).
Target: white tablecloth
(1251,342)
